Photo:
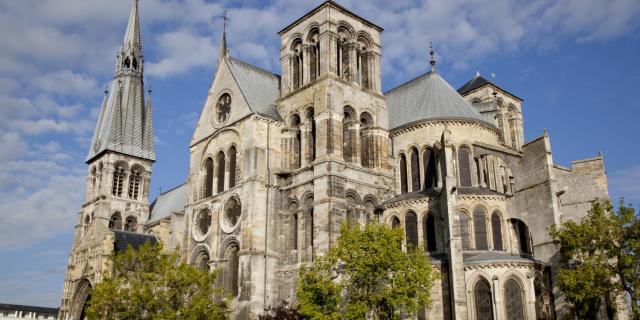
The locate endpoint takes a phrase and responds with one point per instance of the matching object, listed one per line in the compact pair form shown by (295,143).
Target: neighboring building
(16,311)
(278,162)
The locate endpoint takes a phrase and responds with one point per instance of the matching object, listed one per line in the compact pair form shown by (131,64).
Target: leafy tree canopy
(366,274)
(600,259)
(150,284)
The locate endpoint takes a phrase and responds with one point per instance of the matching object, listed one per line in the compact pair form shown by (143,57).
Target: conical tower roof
(125,124)
(428,97)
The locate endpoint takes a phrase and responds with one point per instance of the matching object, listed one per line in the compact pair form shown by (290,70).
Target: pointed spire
(432,56)
(132,35)
(224,51)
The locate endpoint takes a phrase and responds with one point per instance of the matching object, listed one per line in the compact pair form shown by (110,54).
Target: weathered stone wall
(579,186)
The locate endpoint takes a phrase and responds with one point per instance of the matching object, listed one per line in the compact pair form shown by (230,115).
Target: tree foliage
(366,274)
(283,311)
(600,259)
(149,284)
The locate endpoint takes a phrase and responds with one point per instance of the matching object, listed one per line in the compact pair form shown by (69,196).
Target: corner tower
(335,138)
(118,176)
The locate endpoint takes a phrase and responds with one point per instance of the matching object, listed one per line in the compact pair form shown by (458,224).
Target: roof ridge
(254,66)
(428,73)
(172,189)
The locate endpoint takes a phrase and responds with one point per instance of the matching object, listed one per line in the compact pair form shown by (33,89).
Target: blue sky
(574,62)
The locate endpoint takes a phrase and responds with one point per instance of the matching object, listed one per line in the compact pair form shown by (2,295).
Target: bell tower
(119,165)
(335,139)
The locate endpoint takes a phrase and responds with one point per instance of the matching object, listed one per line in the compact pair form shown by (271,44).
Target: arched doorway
(80,299)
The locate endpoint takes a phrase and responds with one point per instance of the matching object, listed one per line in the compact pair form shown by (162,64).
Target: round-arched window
(223,108)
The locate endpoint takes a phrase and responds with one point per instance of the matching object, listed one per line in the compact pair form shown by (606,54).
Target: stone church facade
(279,162)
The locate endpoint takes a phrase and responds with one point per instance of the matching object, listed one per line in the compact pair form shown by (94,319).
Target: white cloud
(11,146)
(66,82)
(182,52)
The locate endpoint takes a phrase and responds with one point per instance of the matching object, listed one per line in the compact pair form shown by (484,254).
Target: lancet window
(118,180)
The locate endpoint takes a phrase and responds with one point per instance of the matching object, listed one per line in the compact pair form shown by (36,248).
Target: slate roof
(125,238)
(477,82)
(259,87)
(36,309)
(167,202)
(428,97)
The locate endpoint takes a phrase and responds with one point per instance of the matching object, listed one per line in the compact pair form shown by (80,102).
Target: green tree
(150,284)
(600,259)
(366,274)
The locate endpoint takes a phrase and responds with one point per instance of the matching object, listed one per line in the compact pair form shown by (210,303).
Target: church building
(279,162)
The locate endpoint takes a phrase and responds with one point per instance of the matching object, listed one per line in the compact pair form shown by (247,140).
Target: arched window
(87,222)
(311,145)
(351,212)
(314,54)
(524,237)
(369,208)
(464,230)
(363,63)
(134,183)
(297,142)
(411,229)
(220,175)
(115,222)
(208,179)
(309,228)
(480,228)
(513,127)
(100,169)
(231,274)
(127,63)
(130,224)
(135,64)
(348,122)
(403,174)
(202,260)
(232,211)
(415,170)
(366,156)
(429,232)
(429,159)
(496,231)
(483,301)
(293,236)
(514,304)
(343,53)
(464,167)
(298,63)
(232,167)
(93,180)
(395,222)
(118,180)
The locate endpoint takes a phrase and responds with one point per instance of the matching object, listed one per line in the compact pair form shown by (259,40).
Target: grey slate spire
(125,121)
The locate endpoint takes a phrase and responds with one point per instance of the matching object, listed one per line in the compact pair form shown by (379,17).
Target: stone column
(328,53)
(306,66)
(354,136)
(353,62)
(289,146)
(530,296)
(497,298)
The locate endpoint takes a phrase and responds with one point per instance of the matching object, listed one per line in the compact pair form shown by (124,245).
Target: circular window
(231,215)
(223,108)
(202,224)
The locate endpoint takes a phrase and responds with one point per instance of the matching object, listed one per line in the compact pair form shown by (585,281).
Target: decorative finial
(545,132)
(432,56)
(225,20)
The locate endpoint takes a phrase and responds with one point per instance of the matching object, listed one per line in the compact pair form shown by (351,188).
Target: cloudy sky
(574,62)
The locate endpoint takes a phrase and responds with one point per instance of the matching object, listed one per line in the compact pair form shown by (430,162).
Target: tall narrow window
(480,229)
(297,142)
(348,152)
(343,53)
(130,224)
(513,300)
(208,179)
(351,212)
(297,65)
(496,231)
(403,174)
(395,222)
(366,156)
(363,63)
(231,274)
(221,168)
(309,228)
(87,222)
(232,167)
(134,183)
(202,260)
(483,301)
(411,229)
(118,181)
(464,230)
(311,145)
(415,170)
(93,180)
(429,158)
(464,167)
(293,235)
(524,238)
(513,127)
(115,222)
(429,232)
(314,54)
